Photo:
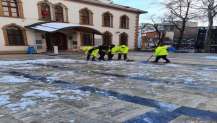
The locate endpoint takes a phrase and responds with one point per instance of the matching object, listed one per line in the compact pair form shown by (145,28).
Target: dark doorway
(56,39)
(123,39)
(87,39)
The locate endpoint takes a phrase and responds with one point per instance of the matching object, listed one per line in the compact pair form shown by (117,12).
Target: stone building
(68,24)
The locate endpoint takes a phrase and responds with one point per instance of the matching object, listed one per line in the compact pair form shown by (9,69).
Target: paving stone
(9,119)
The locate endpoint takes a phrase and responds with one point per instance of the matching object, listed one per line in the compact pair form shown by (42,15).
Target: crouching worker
(112,51)
(91,52)
(102,52)
(161,52)
(123,50)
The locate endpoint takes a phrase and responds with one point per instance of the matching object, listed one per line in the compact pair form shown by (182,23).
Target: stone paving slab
(186,119)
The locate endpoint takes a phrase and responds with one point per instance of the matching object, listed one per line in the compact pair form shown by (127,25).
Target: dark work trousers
(120,55)
(89,55)
(110,56)
(102,52)
(162,57)
(102,55)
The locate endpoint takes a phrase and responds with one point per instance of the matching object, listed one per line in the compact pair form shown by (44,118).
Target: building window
(107,38)
(10,8)
(14,35)
(86,17)
(59,13)
(45,12)
(124,22)
(123,39)
(107,19)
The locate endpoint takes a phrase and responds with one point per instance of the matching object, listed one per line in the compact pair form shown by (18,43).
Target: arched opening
(14,35)
(86,17)
(107,19)
(107,38)
(124,22)
(123,39)
(56,39)
(59,13)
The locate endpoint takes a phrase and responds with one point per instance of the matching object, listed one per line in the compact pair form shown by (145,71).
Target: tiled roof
(111,5)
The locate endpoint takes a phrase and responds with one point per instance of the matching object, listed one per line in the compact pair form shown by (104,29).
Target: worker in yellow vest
(113,50)
(161,52)
(123,50)
(85,49)
(91,51)
(103,50)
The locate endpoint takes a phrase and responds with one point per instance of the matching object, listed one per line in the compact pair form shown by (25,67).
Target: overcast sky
(154,7)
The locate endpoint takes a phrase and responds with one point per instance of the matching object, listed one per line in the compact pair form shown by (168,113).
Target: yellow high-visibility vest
(85,49)
(161,51)
(95,53)
(123,49)
(115,50)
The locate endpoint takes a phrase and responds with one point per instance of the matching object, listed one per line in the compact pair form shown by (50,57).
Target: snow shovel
(147,61)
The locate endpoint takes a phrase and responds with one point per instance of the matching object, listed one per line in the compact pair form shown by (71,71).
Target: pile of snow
(189,80)
(40,94)
(167,106)
(40,61)
(72,94)
(70,97)
(211,57)
(21,105)
(81,93)
(57,75)
(113,63)
(4,99)
(13,79)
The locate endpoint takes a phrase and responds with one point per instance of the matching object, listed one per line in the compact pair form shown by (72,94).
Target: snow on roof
(54,26)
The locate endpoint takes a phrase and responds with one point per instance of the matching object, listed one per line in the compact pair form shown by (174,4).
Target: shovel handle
(149,58)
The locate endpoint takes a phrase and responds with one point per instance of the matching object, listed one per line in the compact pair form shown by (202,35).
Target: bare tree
(209,8)
(180,12)
(160,32)
(157,27)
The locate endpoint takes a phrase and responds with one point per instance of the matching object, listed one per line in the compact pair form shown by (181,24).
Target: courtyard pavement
(67,89)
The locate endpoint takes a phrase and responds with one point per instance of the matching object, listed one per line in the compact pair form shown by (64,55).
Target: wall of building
(31,16)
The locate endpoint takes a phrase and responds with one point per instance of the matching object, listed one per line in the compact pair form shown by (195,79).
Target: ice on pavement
(73,93)
(211,57)
(173,65)
(13,79)
(40,94)
(42,61)
(4,99)
(21,105)
(168,107)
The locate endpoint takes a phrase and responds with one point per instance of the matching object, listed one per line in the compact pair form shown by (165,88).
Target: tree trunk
(180,39)
(208,38)
(181,34)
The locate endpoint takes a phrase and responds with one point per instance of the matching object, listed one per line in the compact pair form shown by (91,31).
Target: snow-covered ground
(68,89)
